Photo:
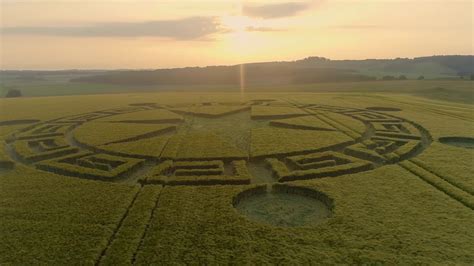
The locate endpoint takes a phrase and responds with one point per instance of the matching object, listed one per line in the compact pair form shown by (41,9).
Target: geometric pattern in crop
(222,141)
(214,172)
(316,165)
(92,166)
(43,130)
(35,150)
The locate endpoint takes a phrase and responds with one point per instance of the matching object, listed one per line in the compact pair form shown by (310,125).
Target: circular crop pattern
(463,142)
(284,206)
(265,142)
(260,141)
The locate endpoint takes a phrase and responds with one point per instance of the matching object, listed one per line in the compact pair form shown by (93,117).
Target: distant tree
(13,93)
(402,77)
(388,77)
(472,76)
(421,77)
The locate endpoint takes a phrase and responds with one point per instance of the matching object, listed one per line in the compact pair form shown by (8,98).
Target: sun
(239,35)
(237,24)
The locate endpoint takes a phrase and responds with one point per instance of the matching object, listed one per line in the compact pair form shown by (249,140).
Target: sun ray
(242,81)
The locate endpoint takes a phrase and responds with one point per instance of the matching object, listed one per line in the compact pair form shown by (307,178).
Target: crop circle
(463,142)
(284,207)
(212,143)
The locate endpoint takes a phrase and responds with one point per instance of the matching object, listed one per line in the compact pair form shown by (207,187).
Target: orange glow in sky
(64,34)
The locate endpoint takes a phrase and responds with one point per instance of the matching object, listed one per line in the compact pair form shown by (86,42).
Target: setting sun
(237,23)
(99,34)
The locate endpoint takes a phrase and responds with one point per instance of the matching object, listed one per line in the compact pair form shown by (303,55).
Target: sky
(144,34)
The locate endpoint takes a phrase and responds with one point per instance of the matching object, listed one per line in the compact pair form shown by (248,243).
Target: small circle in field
(383,109)
(286,208)
(463,142)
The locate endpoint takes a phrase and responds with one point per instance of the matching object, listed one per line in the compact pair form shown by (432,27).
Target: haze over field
(66,34)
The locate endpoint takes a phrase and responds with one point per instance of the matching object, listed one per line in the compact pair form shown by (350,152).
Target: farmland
(219,178)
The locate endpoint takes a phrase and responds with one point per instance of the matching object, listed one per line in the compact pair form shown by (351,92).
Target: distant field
(231,178)
(454,90)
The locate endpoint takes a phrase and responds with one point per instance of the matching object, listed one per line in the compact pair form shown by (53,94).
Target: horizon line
(229,65)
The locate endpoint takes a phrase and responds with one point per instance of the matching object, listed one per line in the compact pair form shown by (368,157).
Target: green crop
(103,133)
(94,166)
(292,140)
(264,112)
(156,178)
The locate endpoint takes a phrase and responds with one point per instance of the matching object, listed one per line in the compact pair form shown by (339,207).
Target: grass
(453,90)
(176,165)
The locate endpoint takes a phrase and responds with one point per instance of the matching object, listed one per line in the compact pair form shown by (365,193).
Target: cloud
(261,29)
(275,10)
(355,27)
(180,29)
